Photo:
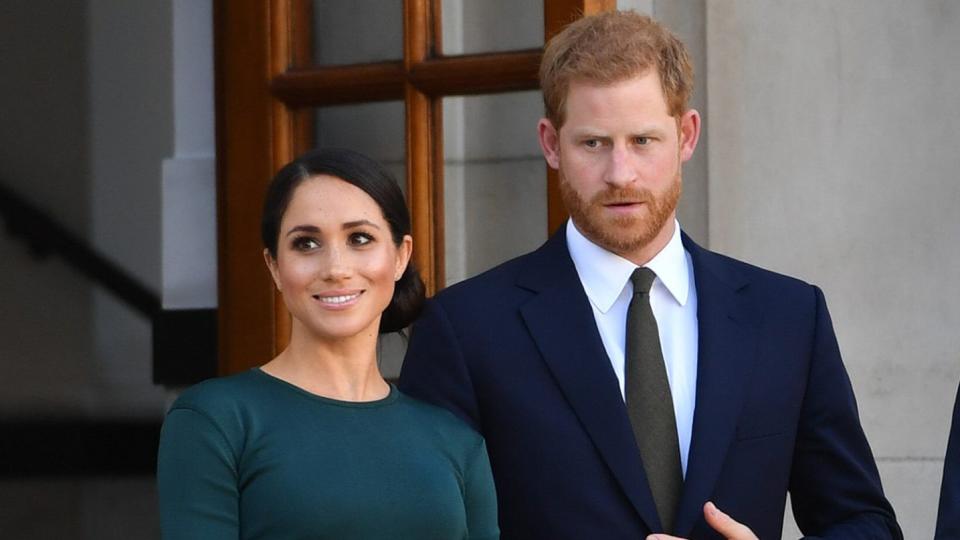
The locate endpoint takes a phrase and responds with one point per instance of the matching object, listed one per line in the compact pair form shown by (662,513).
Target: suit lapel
(561,323)
(727,352)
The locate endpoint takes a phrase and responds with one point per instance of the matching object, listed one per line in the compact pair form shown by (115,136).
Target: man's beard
(622,235)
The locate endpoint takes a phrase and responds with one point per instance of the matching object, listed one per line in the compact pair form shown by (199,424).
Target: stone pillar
(833,158)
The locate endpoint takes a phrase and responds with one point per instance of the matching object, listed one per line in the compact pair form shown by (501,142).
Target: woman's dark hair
(370,176)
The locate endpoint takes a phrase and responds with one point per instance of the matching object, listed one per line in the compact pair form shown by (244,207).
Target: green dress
(250,456)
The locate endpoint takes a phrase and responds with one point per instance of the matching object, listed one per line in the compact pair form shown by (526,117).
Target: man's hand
(722,523)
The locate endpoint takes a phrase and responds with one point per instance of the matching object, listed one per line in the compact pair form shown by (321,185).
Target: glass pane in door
(495,197)
(354,31)
(375,129)
(472,26)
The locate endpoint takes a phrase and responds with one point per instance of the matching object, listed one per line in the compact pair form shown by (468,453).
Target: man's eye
(592,143)
(305,243)
(360,239)
(642,140)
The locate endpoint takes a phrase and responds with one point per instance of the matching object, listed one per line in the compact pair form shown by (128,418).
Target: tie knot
(642,279)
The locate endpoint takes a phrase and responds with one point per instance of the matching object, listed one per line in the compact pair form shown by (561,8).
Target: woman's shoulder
(218,411)
(222,395)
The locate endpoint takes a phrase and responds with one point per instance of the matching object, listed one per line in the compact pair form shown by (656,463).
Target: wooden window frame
(264,121)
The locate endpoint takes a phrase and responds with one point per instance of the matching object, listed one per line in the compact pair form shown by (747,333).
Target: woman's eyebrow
(304,228)
(359,223)
(313,229)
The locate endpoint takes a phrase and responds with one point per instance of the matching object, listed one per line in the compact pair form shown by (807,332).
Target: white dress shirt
(606,279)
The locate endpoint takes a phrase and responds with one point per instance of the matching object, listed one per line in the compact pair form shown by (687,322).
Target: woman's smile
(338,299)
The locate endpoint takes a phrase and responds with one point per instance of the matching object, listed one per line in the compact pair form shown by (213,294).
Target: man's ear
(272,267)
(549,142)
(689,127)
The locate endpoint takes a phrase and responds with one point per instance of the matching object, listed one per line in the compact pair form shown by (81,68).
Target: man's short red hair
(611,47)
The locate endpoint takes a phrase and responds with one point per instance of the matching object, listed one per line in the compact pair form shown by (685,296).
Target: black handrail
(47,237)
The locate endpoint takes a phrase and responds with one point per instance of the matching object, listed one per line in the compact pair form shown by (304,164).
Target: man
(948,517)
(626,379)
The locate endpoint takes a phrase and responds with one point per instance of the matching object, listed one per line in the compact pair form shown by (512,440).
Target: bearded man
(627,381)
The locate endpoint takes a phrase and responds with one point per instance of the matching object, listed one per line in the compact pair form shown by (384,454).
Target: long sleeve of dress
(481,497)
(196,479)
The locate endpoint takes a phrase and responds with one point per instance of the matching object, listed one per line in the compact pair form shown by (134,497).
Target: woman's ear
(404,252)
(272,267)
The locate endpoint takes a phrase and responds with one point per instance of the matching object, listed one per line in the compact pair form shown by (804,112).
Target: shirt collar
(604,274)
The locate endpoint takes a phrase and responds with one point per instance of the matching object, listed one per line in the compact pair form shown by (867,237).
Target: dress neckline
(386,400)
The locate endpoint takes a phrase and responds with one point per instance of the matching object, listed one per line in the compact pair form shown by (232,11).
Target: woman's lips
(338,299)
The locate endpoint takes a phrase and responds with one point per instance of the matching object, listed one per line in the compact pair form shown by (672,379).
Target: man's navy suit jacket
(948,517)
(516,353)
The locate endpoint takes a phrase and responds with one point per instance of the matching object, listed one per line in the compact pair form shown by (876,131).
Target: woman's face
(336,261)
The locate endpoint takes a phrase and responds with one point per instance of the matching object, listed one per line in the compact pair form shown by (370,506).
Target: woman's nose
(336,265)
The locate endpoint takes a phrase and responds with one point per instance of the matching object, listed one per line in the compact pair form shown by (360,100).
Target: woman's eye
(305,243)
(360,239)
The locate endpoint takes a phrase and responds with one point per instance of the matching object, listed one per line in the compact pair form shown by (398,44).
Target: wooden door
(268,86)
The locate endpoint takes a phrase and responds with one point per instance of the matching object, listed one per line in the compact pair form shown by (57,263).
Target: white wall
(130,122)
(46,332)
(833,158)
(86,110)
(95,134)
(87,120)
(687,19)
(188,202)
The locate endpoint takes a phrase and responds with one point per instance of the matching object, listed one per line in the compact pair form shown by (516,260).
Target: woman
(315,444)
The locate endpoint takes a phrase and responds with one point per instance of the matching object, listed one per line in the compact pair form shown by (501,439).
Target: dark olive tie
(649,402)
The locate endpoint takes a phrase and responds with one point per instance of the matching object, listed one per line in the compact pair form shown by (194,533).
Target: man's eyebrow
(599,133)
(581,131)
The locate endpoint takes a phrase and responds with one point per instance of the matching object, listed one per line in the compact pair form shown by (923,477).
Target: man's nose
(621,170)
